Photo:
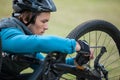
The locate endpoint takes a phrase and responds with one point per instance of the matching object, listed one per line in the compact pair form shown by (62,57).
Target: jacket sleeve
(15,41)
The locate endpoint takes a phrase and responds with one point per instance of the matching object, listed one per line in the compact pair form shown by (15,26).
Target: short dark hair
(28,16)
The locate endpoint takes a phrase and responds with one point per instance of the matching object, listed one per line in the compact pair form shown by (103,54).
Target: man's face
(41,23)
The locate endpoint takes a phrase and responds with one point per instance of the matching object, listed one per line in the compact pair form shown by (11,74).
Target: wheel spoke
(101,35)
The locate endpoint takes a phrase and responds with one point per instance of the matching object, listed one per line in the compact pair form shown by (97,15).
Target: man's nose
(46,26)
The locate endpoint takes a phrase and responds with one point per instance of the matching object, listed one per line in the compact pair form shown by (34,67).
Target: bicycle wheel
(100,33)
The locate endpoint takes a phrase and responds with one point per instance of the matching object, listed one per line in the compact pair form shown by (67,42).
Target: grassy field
(71,13)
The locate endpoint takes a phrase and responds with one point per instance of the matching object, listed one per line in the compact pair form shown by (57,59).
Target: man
(22,34)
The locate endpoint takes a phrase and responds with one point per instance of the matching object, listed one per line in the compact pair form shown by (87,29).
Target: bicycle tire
(102,28)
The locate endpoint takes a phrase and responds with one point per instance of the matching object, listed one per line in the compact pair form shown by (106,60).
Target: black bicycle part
(98,26)
(46,71)
(53,69)
(98,67)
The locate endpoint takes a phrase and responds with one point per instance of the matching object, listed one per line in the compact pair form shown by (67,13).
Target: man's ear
(25,21)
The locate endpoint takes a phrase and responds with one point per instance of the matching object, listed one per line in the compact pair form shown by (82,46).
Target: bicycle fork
(99,67)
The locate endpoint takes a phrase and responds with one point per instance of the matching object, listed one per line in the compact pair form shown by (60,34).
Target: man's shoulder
(6,22)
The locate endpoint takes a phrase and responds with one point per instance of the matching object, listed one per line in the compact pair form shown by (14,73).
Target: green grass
(71,13)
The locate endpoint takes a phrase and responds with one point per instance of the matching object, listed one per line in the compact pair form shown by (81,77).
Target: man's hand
(83,56)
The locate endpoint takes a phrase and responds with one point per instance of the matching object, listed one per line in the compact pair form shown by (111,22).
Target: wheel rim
(110,59)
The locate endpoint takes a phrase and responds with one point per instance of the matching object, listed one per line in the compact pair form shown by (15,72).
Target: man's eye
(44,21)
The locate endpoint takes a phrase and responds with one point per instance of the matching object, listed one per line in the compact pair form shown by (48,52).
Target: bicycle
(103,37)
(106,64)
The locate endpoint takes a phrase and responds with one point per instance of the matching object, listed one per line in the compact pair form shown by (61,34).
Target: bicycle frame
(52,63)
